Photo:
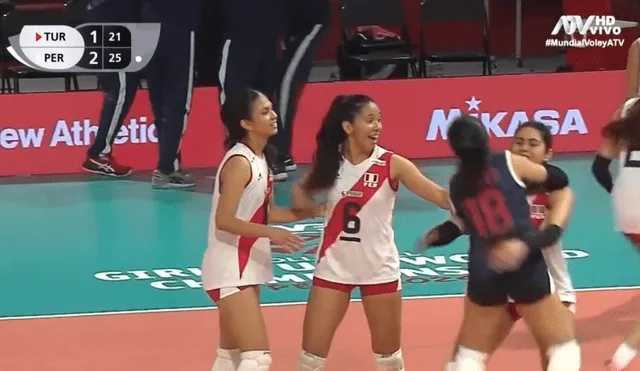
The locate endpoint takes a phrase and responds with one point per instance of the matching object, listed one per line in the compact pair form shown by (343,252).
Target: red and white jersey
(232,260)
(553,256)
(357,245)
(625,195)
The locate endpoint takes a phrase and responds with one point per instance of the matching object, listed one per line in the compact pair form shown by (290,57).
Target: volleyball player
(238,257)
(505,259)
(357,250)
(622,141)
(533,140)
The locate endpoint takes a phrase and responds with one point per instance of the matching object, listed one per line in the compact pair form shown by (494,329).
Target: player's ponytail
(469,141)
(627,127)
(328,156)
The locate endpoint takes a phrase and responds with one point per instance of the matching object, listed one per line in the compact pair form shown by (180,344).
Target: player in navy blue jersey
(534,141)
(489,201)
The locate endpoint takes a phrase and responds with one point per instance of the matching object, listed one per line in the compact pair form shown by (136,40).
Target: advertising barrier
(49,133)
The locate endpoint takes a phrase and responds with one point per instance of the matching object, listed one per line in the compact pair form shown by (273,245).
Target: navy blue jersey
(499,209)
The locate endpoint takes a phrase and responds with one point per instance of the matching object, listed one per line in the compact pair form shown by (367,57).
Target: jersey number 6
(350,222)
(488,213)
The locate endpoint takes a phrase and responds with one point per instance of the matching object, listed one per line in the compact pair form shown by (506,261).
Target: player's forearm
(302,199)
(443,234)
(560,205)
(237,226)
(288,215)
(546,237)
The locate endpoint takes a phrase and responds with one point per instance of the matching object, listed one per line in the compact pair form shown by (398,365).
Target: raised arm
(404,171)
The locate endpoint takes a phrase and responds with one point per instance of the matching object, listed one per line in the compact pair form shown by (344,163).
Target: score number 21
(113,36)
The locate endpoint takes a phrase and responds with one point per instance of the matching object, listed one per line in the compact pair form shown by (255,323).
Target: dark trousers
(119,92)
(301,45)
(249,53)
(248,63)
(170,75)
(119,88)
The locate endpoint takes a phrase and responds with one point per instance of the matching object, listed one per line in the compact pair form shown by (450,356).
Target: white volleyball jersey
(232,260)
(553,256)
(625,195)
(357,245)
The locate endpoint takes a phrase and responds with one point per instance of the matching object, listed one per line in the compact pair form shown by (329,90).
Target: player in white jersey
(533,140)
(357,249)
(238,256)
(632,70)
(622,141)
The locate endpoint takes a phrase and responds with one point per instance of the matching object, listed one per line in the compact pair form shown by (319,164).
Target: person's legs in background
(305,23)
(120,90)
(239,64)
(170,75)
(246,22)
(297,62)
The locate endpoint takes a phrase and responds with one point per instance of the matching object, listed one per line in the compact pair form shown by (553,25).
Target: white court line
(283,304)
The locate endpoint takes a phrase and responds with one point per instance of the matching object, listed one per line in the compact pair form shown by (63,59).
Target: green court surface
(112,246)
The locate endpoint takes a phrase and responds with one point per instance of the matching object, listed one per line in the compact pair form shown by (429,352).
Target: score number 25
(113,58)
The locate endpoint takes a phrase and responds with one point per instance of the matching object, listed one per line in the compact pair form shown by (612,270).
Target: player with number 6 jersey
(505,258)
(360,207)
(622,141)
(357,249)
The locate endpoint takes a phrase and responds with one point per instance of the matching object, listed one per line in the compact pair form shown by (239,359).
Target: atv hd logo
(589,32)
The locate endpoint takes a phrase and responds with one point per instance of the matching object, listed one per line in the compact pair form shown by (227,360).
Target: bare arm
(234,177)
(406,172)
(288,214)
(527,170)
(632,70)
(301,198)
(560,206)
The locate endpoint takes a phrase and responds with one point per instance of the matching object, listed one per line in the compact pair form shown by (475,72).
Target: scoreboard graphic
(90,47)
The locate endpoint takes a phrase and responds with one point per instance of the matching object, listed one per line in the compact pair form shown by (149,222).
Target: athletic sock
(623,356)
(226,360)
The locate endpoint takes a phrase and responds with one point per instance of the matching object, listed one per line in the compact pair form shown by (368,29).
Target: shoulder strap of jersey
(386,156)
(506,157)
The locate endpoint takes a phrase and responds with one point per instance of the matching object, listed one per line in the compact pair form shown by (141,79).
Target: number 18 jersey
(357,245)
(499,209)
